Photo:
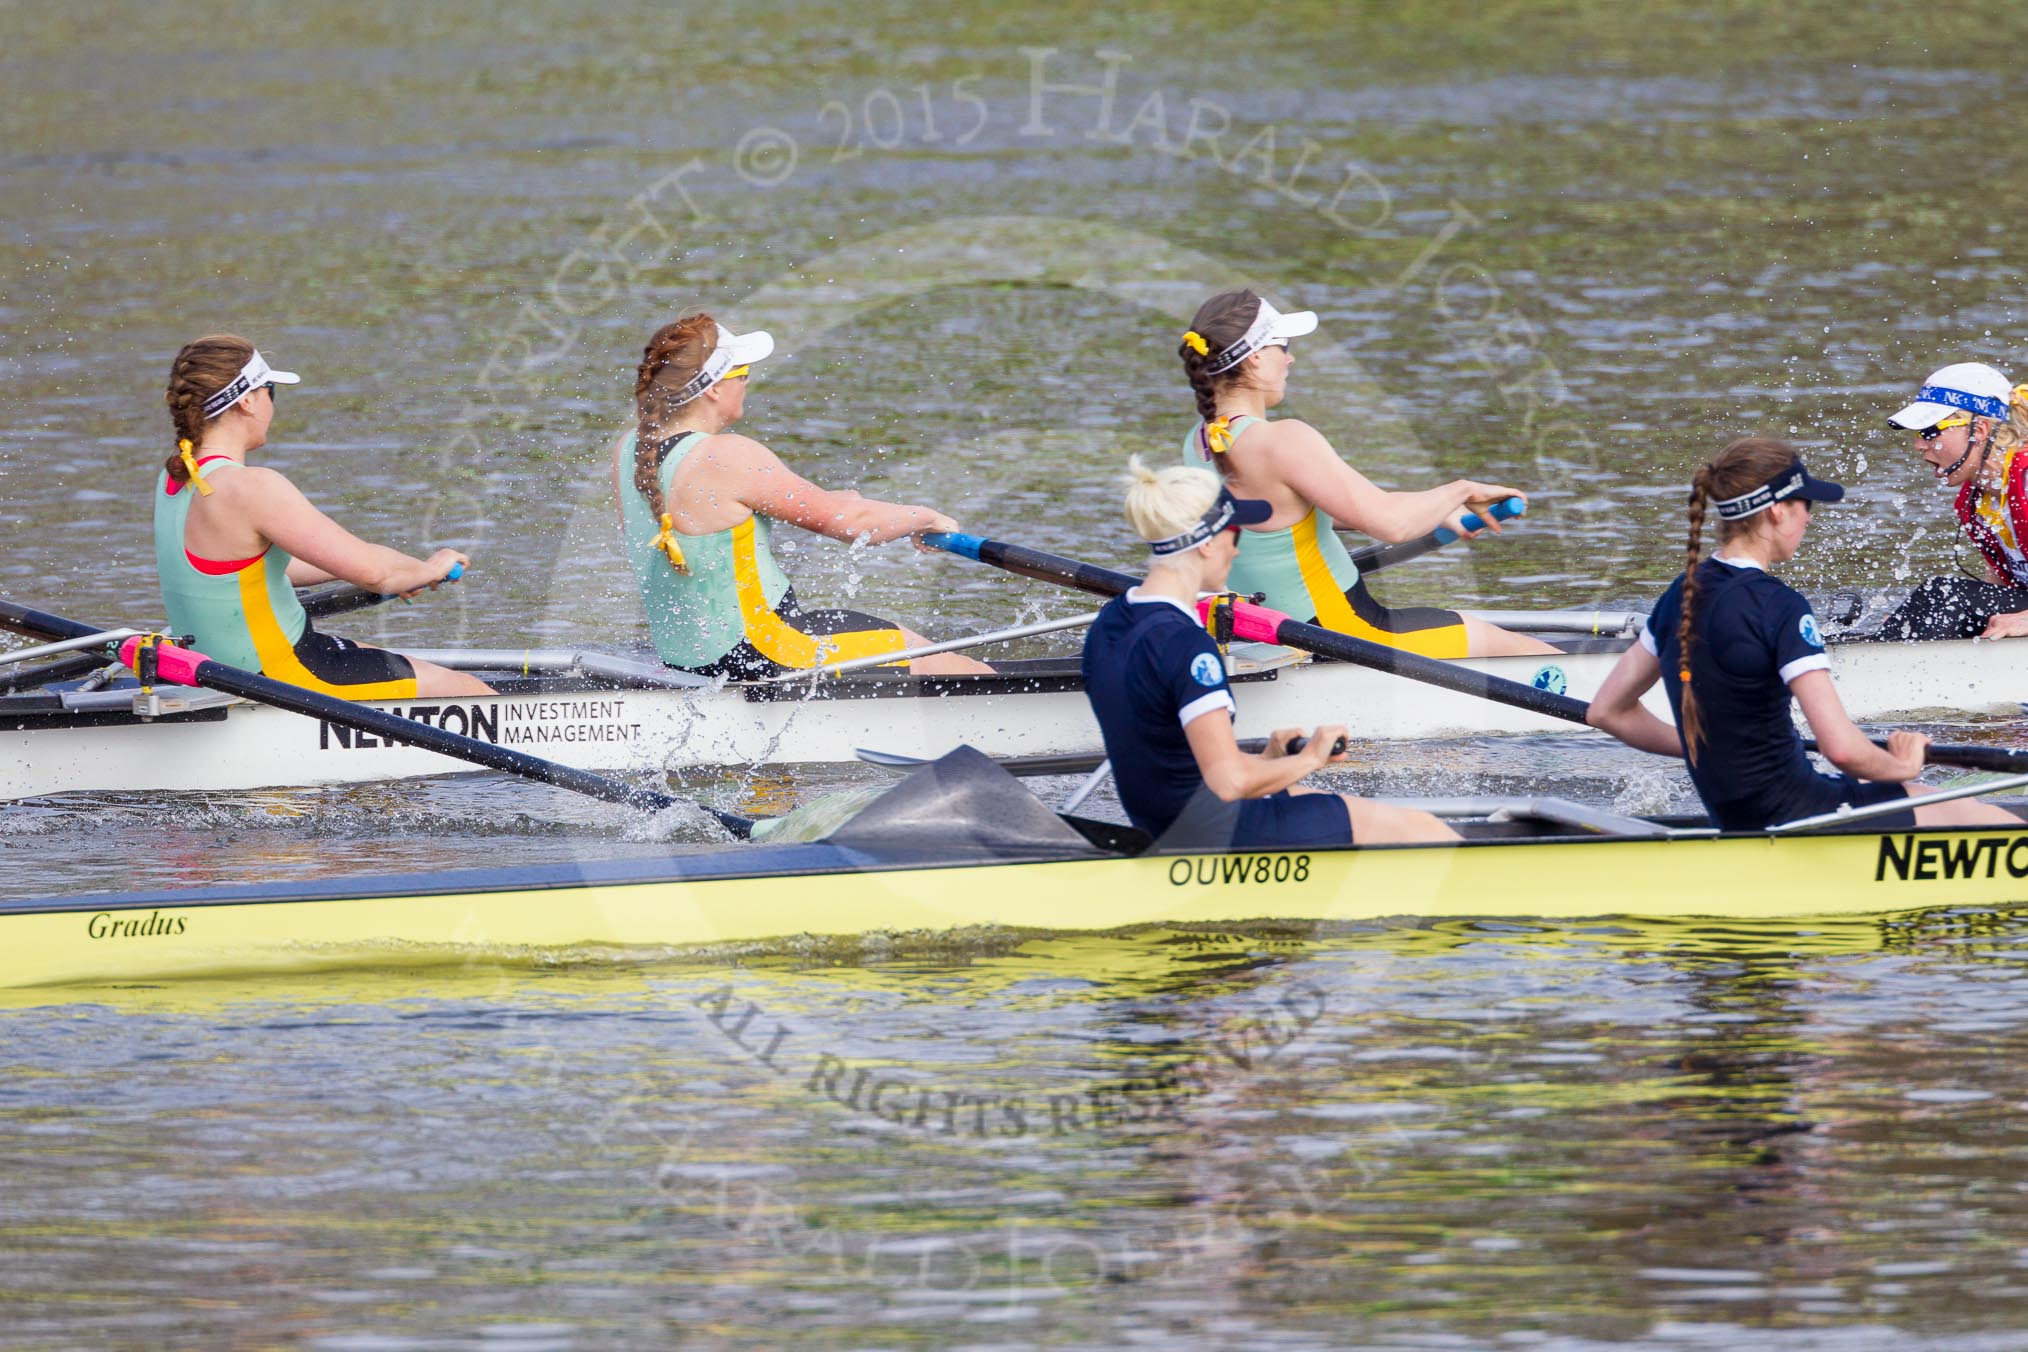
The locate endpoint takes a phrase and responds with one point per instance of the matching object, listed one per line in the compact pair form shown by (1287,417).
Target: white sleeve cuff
(1204,704)
(1648,639)
(1814,662)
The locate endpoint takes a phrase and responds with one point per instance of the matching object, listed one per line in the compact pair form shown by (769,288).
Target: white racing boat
(600,712)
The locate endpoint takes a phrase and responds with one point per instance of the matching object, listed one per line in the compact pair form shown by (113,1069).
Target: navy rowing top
(1754,635)
(1150,669)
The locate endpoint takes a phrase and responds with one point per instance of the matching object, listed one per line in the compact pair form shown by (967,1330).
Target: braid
(1218,324)
(1700,488)
(201,369)
(676,353)
(672,358)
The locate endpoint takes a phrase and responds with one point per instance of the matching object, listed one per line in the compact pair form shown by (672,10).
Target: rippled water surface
(1573,248)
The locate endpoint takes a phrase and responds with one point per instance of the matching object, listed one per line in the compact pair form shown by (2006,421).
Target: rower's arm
(1233,774)
(1839,739)
(280,512)
(769,487)
(1308,465)
(303,574)
(1617,707)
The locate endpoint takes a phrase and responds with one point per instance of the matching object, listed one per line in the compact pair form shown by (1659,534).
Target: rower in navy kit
(1157,685)
(1731,644)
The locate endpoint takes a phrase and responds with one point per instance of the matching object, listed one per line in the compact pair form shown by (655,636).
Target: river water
(1574,251)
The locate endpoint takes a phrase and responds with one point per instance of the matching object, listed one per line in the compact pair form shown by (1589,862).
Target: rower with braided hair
(1970,423)
(1237,360)
(233,541)
(698,503)
(1732,645)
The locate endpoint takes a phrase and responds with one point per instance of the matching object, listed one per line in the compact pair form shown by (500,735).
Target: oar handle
(340,599)
(1372,558)
(1298,743)
(2004,760)
(1505,510)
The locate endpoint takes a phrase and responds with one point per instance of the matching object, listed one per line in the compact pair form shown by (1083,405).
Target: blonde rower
(1237,359)
(1157,687)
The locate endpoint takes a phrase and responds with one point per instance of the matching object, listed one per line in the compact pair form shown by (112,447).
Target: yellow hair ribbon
(188,453)
(1195,342)
(666,542)
(1218,435)
(736,372)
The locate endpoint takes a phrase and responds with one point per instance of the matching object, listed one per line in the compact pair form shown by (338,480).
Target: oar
(1375,557)
(1271,626)
(183,666)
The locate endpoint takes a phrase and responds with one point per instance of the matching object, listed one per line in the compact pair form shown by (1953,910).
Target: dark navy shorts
(340,661)
(1281,821)
(1828,794)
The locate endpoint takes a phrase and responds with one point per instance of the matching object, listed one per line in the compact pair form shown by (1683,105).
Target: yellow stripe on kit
(775,638)
(1332,609)
(278,655)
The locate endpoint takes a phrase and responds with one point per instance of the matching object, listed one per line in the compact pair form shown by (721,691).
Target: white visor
(734,349)
(1269,327)
(251,377)
(1967,387)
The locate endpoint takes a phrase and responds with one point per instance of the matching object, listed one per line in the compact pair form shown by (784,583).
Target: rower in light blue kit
(1732,644)
(1157,686)
(233,541)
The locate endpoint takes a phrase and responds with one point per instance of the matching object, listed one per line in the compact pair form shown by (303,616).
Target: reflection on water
(1194,1138)
(1573,248)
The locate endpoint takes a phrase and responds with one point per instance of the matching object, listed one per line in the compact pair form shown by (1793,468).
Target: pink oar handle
(176,665)
(1256,624)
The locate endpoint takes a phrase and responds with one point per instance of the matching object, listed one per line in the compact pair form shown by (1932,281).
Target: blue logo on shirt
(1807,626)
(1207,670)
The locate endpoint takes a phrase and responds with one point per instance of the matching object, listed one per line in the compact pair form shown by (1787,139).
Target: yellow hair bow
(1195,342)
(188,454)
(1218,435)
(666,542)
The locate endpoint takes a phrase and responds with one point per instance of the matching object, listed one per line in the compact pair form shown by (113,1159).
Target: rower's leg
(1490,640)
(1958,811)
(942,664)
(1385,824)
(435,682)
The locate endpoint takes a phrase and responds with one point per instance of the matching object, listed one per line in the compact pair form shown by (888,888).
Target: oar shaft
(183,667)
(1033,563)
(1271,626)
(1375,557)
(33,623)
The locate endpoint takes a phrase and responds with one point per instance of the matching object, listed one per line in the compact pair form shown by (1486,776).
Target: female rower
(1157,686)
(697,503)
(232,552)
(1237,358)
(1731,645)
(1970,424)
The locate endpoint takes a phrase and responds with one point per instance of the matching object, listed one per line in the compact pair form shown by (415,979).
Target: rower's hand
(938,522)
(1328,743)
(1906,748)
(1479,501)
(2013,625)
(1280,742)
(439,563)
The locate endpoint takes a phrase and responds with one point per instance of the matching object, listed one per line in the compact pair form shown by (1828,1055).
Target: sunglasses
(270,388)
(1932,433)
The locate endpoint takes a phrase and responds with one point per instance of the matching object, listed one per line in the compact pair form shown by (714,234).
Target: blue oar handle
(1499,511)
(458,569)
